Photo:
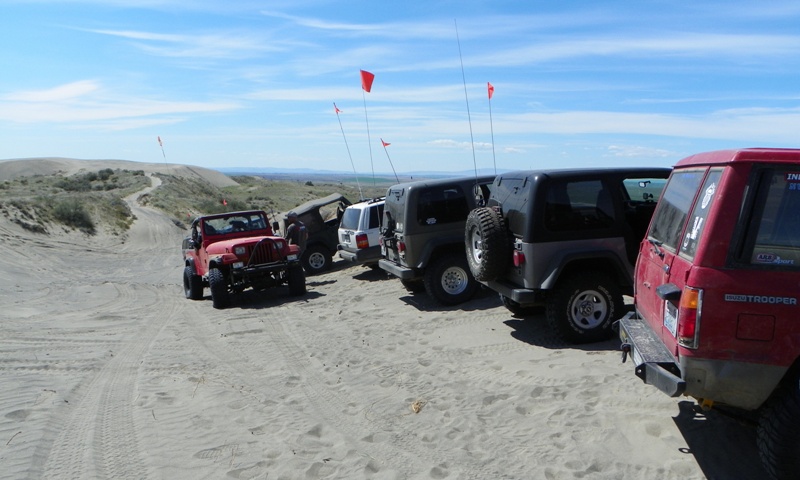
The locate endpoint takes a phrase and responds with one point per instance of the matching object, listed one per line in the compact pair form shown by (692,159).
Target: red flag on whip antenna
(491,89)
(159,141)
(336,109)
(385,144)
(366,80)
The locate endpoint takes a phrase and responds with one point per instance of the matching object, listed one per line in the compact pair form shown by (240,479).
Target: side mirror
(275,226)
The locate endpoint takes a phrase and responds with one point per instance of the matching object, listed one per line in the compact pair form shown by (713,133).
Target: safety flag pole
(161,144)
(336,109)
(390,160)
(366,87)
(490,89)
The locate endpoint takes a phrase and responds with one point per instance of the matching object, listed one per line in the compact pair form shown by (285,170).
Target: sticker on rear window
(709,195)
(772,259)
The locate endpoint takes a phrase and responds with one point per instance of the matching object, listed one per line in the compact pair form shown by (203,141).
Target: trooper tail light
(518,257)
(689,313)
(401,247)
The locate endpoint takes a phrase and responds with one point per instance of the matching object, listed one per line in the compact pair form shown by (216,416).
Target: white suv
(359,231)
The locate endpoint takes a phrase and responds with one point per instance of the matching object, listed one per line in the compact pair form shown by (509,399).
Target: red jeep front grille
(265,251)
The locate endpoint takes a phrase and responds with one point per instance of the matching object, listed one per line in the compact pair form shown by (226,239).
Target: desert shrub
(74,184)
(72,213)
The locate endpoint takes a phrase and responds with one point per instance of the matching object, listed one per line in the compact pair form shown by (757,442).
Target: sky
(253,84)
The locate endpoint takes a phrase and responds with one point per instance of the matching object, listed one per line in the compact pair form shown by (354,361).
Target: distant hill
(404,176)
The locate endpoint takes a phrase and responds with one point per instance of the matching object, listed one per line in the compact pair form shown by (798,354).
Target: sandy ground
(107,371)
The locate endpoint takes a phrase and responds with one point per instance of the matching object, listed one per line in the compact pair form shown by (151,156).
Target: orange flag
(366,80)
(491,89)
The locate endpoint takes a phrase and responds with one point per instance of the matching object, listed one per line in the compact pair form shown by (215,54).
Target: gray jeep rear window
(442,204)
(578,205)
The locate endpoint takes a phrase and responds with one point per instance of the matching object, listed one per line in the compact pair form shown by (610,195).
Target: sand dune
(108,372)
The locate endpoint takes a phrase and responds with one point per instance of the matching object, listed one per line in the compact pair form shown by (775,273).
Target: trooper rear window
(774,227)
(673,208)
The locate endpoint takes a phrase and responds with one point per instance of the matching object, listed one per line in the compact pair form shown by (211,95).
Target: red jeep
(716,293)
(230,252)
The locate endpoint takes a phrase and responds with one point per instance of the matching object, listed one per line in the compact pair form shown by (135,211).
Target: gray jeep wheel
(779,431)
(316,259)
(449,281)
(192,284)
(487,243)
(583,306)
(220,297)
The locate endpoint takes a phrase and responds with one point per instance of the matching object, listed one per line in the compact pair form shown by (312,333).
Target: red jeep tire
(192,284)
(220,297)
(296,279)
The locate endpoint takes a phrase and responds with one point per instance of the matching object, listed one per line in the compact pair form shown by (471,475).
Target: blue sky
(252,83)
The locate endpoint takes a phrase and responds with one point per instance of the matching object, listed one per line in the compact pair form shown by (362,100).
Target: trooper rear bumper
(654,364)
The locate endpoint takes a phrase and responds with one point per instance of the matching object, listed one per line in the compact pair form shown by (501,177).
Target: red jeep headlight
(239,251)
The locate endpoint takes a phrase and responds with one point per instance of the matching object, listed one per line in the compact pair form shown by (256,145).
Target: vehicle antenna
(464,78)
(336,109)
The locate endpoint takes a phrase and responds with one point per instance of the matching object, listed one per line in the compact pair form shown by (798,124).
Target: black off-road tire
(220,297)
(296,280)
(317,259)
(778,430)
(487,243)
(192,284)
(448,279)
(583,306)
(521,311)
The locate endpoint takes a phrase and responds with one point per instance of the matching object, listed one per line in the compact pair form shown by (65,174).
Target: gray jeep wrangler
(565,240)
(422,235)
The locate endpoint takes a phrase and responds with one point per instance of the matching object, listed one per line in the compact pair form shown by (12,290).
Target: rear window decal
(709,195)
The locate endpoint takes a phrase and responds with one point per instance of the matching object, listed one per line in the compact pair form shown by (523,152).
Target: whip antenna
(336,109)
(466,97)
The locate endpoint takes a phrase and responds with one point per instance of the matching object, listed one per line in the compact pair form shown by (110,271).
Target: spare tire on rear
(488,244)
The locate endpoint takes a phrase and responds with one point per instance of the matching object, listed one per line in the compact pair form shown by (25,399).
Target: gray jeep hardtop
(422,234)
(565,239)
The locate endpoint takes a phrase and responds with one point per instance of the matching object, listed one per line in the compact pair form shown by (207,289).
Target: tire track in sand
(98,438)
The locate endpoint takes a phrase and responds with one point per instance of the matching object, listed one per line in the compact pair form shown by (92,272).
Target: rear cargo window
(441,205)
(775,223)
(673,208)
(694,230)
(580,205)
(350,219)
